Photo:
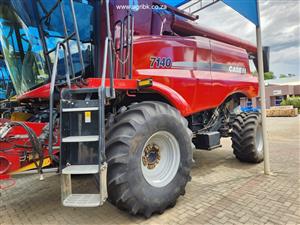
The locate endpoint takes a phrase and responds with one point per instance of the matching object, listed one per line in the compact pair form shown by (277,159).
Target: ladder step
(82,200)
(89,138)
(81,169)
(80,109)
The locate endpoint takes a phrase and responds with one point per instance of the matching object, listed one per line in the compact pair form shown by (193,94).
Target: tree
(269,75)
(282,76)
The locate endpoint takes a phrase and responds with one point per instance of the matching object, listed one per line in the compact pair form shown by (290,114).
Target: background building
(276,91)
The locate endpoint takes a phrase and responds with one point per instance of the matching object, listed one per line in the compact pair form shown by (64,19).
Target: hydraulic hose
(36,145)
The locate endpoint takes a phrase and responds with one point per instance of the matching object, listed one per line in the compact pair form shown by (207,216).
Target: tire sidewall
(141,189)
(243,143)
(258,154)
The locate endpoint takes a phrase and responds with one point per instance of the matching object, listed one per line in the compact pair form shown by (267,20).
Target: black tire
(127,187)
(246,138)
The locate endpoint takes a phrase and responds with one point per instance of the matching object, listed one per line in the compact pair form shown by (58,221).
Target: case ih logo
(237,69)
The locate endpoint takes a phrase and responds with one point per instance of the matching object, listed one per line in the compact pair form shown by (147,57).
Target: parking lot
(222,191)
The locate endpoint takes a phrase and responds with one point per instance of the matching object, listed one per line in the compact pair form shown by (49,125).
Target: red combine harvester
(131,94)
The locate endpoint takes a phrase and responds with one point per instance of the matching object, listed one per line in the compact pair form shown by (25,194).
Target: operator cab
(30,31)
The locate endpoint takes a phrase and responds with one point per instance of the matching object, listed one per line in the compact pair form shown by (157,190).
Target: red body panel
(12,154)
(44,91)
(198,88)
(188,28)
(190,84)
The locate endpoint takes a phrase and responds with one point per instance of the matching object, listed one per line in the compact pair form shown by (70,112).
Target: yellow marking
(20,116)
(46,162)
(147,82)
(87,117)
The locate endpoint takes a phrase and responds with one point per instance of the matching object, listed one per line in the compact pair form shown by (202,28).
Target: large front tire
(247,140)
(149,155)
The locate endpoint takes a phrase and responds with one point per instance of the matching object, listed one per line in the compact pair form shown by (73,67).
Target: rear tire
(149,155)
(247,141)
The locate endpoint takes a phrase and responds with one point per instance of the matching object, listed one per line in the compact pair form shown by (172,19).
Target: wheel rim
(160,159)
(259,139)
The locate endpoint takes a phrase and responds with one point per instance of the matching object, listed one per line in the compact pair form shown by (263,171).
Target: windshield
(53,31)
(22,51)
(29,33)
(6,89)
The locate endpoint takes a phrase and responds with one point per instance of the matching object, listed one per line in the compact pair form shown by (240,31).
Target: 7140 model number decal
(160,62)
(166,62)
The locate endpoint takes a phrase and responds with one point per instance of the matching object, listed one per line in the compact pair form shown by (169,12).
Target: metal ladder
(82,145)
(68,62)
(74,146)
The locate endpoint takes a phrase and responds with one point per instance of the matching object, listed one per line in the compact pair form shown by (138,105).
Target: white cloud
(289,55)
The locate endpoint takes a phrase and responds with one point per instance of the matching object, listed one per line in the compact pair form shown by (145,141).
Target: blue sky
(280,22)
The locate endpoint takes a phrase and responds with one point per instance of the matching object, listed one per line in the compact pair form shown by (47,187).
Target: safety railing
(123,49)
(59,46)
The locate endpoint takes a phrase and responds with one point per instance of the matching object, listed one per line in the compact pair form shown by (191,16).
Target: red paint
(188,88)
(12,153)
(40,93)
(4,177)
(192,90)
(4,164)
(189,28)
(43,91)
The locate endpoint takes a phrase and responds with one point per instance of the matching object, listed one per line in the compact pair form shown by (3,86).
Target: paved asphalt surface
(222,191)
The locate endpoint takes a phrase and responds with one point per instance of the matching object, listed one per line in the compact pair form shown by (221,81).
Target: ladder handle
(103,76)
(52,86)
(131,44)
(111,69)
(102,90)
(101,96)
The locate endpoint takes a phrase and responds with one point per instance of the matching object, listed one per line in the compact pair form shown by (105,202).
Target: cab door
(202,73)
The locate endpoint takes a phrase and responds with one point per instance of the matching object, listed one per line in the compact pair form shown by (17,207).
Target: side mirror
(266,59)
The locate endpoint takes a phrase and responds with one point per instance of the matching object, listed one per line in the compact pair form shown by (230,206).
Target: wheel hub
(160,158)
(151,156)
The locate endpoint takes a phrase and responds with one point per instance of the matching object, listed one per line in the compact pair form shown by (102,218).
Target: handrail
(52,86)
(110,55)
(102,88)
(126,40)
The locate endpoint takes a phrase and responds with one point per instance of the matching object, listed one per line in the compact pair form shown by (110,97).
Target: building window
(278,100)
(249,103)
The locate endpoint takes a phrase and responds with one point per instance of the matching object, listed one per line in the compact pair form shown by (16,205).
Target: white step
(89,138)
(81,169)
(86,109)
(82,200)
